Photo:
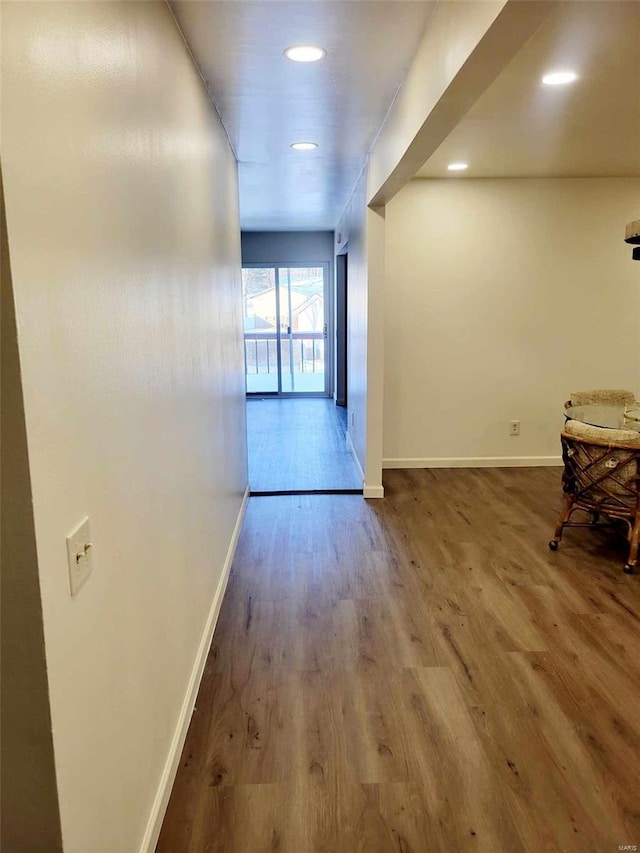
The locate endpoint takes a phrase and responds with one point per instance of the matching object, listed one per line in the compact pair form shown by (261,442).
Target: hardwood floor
(298,443)
(418,674)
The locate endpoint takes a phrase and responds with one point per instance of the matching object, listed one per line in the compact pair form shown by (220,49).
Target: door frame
(341,336)
(328,338)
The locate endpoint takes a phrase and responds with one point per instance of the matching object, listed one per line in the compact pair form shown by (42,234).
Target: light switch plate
(79,555)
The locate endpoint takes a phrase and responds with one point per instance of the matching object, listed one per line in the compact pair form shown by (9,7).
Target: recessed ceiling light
(305,53)
(304,146)
(559,78)
(457,167)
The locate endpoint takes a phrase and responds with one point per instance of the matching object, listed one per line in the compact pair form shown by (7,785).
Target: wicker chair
(603,396)
(601,477)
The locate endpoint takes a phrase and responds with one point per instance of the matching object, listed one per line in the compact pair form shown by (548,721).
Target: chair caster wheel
(553,545)
(628,569)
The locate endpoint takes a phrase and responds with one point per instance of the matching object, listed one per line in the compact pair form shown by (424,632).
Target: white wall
(502,296)
(363,230)
(122,210)
(351,230)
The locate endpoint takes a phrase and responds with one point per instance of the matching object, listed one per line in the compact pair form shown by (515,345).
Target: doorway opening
(294,334)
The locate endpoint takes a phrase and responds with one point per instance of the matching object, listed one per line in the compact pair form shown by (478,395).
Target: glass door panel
(304,329)
(260,313)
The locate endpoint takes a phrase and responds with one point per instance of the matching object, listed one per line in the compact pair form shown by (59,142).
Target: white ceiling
(519,128)
(267,102)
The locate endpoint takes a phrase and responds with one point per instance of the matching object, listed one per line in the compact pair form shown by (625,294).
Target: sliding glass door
(285,329)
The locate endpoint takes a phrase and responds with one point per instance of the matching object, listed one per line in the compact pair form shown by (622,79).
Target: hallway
(418,674)
(298,444)
(440,225)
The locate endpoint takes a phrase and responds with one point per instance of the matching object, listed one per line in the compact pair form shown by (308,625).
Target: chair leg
(562,520)
(634,541)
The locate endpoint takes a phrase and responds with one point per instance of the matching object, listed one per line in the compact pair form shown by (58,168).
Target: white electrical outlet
(514,428)
(79,555)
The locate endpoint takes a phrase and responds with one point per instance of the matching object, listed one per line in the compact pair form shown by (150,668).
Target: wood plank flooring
(418,674)
(298,443)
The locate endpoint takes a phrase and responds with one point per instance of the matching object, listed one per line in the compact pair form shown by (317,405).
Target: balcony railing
(306,349)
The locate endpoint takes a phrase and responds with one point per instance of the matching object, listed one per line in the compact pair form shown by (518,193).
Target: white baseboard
(372,491)
(167,779)
(367,491)
(475,462)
